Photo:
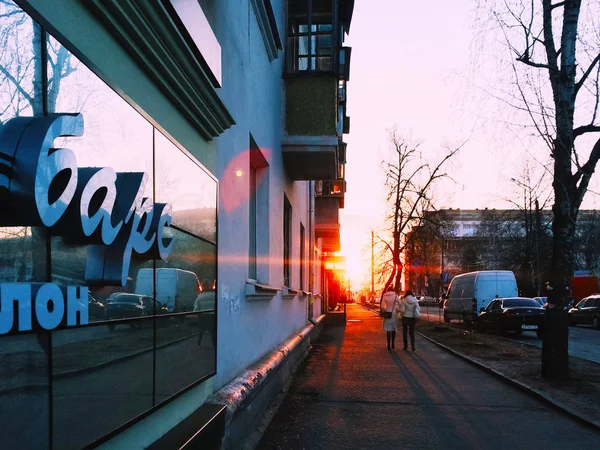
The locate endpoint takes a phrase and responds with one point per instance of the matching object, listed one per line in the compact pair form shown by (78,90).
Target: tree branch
(525,60)
(17,84)
(585,129)
(586,173)
(586,74)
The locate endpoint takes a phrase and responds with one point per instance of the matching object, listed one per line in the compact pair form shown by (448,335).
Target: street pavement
(353,393)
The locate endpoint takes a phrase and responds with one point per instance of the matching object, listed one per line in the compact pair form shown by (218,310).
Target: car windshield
(126,299)
(520,303)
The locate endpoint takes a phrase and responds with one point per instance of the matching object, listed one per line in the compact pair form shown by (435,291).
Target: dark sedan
(586,312)
(516,314)
(124,306)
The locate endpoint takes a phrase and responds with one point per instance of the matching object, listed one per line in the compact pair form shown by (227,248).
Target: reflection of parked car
(123,306)
(586,312)
(96,309)
(516,314)
(175,288)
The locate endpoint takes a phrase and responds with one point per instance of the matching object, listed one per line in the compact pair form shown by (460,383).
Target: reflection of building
(239,128)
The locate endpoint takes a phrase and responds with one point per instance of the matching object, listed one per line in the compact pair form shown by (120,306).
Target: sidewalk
(354,393)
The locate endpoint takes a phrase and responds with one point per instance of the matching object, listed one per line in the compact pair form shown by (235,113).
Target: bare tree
(556,70)
(21,84)
(410,181)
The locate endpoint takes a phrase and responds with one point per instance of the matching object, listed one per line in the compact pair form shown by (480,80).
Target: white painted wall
(253,92)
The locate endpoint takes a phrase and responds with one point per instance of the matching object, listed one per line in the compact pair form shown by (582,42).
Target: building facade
(171,175)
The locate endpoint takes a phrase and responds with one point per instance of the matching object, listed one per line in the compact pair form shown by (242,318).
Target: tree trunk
(555,348)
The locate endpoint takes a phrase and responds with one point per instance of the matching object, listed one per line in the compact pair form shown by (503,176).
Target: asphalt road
(353,393)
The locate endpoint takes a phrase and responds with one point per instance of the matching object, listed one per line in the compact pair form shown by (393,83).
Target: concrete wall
(253,91)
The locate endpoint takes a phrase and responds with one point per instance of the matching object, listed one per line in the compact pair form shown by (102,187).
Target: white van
(469,292)
(177,289)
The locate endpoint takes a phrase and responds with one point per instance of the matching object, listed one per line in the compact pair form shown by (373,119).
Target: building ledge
(240,392)
(256,291)
(287,293)
(150,32)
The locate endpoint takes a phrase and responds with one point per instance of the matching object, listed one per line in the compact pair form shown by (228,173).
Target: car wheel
(446,319)
(596,323)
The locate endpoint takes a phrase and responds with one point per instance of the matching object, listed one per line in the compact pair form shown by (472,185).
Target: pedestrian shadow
(467,429)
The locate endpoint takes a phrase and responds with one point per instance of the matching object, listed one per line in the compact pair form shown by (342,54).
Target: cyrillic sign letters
(41,185)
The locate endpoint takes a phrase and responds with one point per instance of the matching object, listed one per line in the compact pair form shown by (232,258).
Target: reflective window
(185,350)
(102,374)
(190,269)
(24,391)
(188,188)
(100,380)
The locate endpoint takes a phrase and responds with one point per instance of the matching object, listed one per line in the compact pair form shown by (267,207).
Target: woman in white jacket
(410,313)
(390,303)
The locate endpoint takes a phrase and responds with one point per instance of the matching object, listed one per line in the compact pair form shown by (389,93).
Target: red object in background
(582,287)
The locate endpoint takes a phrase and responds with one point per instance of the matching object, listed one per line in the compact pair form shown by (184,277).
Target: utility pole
(537,246)
(372,263)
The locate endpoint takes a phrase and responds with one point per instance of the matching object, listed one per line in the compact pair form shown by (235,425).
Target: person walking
(390,304)
(205,301)
(409,307)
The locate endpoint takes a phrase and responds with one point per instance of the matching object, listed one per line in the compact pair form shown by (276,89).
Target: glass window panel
(101,380)
(188,188)
(24,405)
(324,44)
(68,262)
(303,45)
(22,254)
(20,58)
(186,350)
(115,135)
(190,268)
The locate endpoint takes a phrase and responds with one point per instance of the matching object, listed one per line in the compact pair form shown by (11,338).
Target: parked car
(427,301)
(516,314)
(541,300)
(124,306)
(468,293)
(587,312)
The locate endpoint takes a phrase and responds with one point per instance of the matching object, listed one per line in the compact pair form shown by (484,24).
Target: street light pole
(372,263)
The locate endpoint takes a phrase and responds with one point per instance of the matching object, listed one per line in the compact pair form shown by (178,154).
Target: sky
(413,67)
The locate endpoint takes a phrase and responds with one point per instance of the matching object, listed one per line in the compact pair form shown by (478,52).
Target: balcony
(331,189)
(327,222)
(316,71)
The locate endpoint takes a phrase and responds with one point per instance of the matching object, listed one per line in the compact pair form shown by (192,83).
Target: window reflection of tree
(21,84)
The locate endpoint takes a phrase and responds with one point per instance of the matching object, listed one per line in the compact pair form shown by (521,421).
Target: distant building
(453,241)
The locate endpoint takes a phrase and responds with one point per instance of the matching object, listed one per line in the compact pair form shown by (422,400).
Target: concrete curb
(522,386)
(72,373)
